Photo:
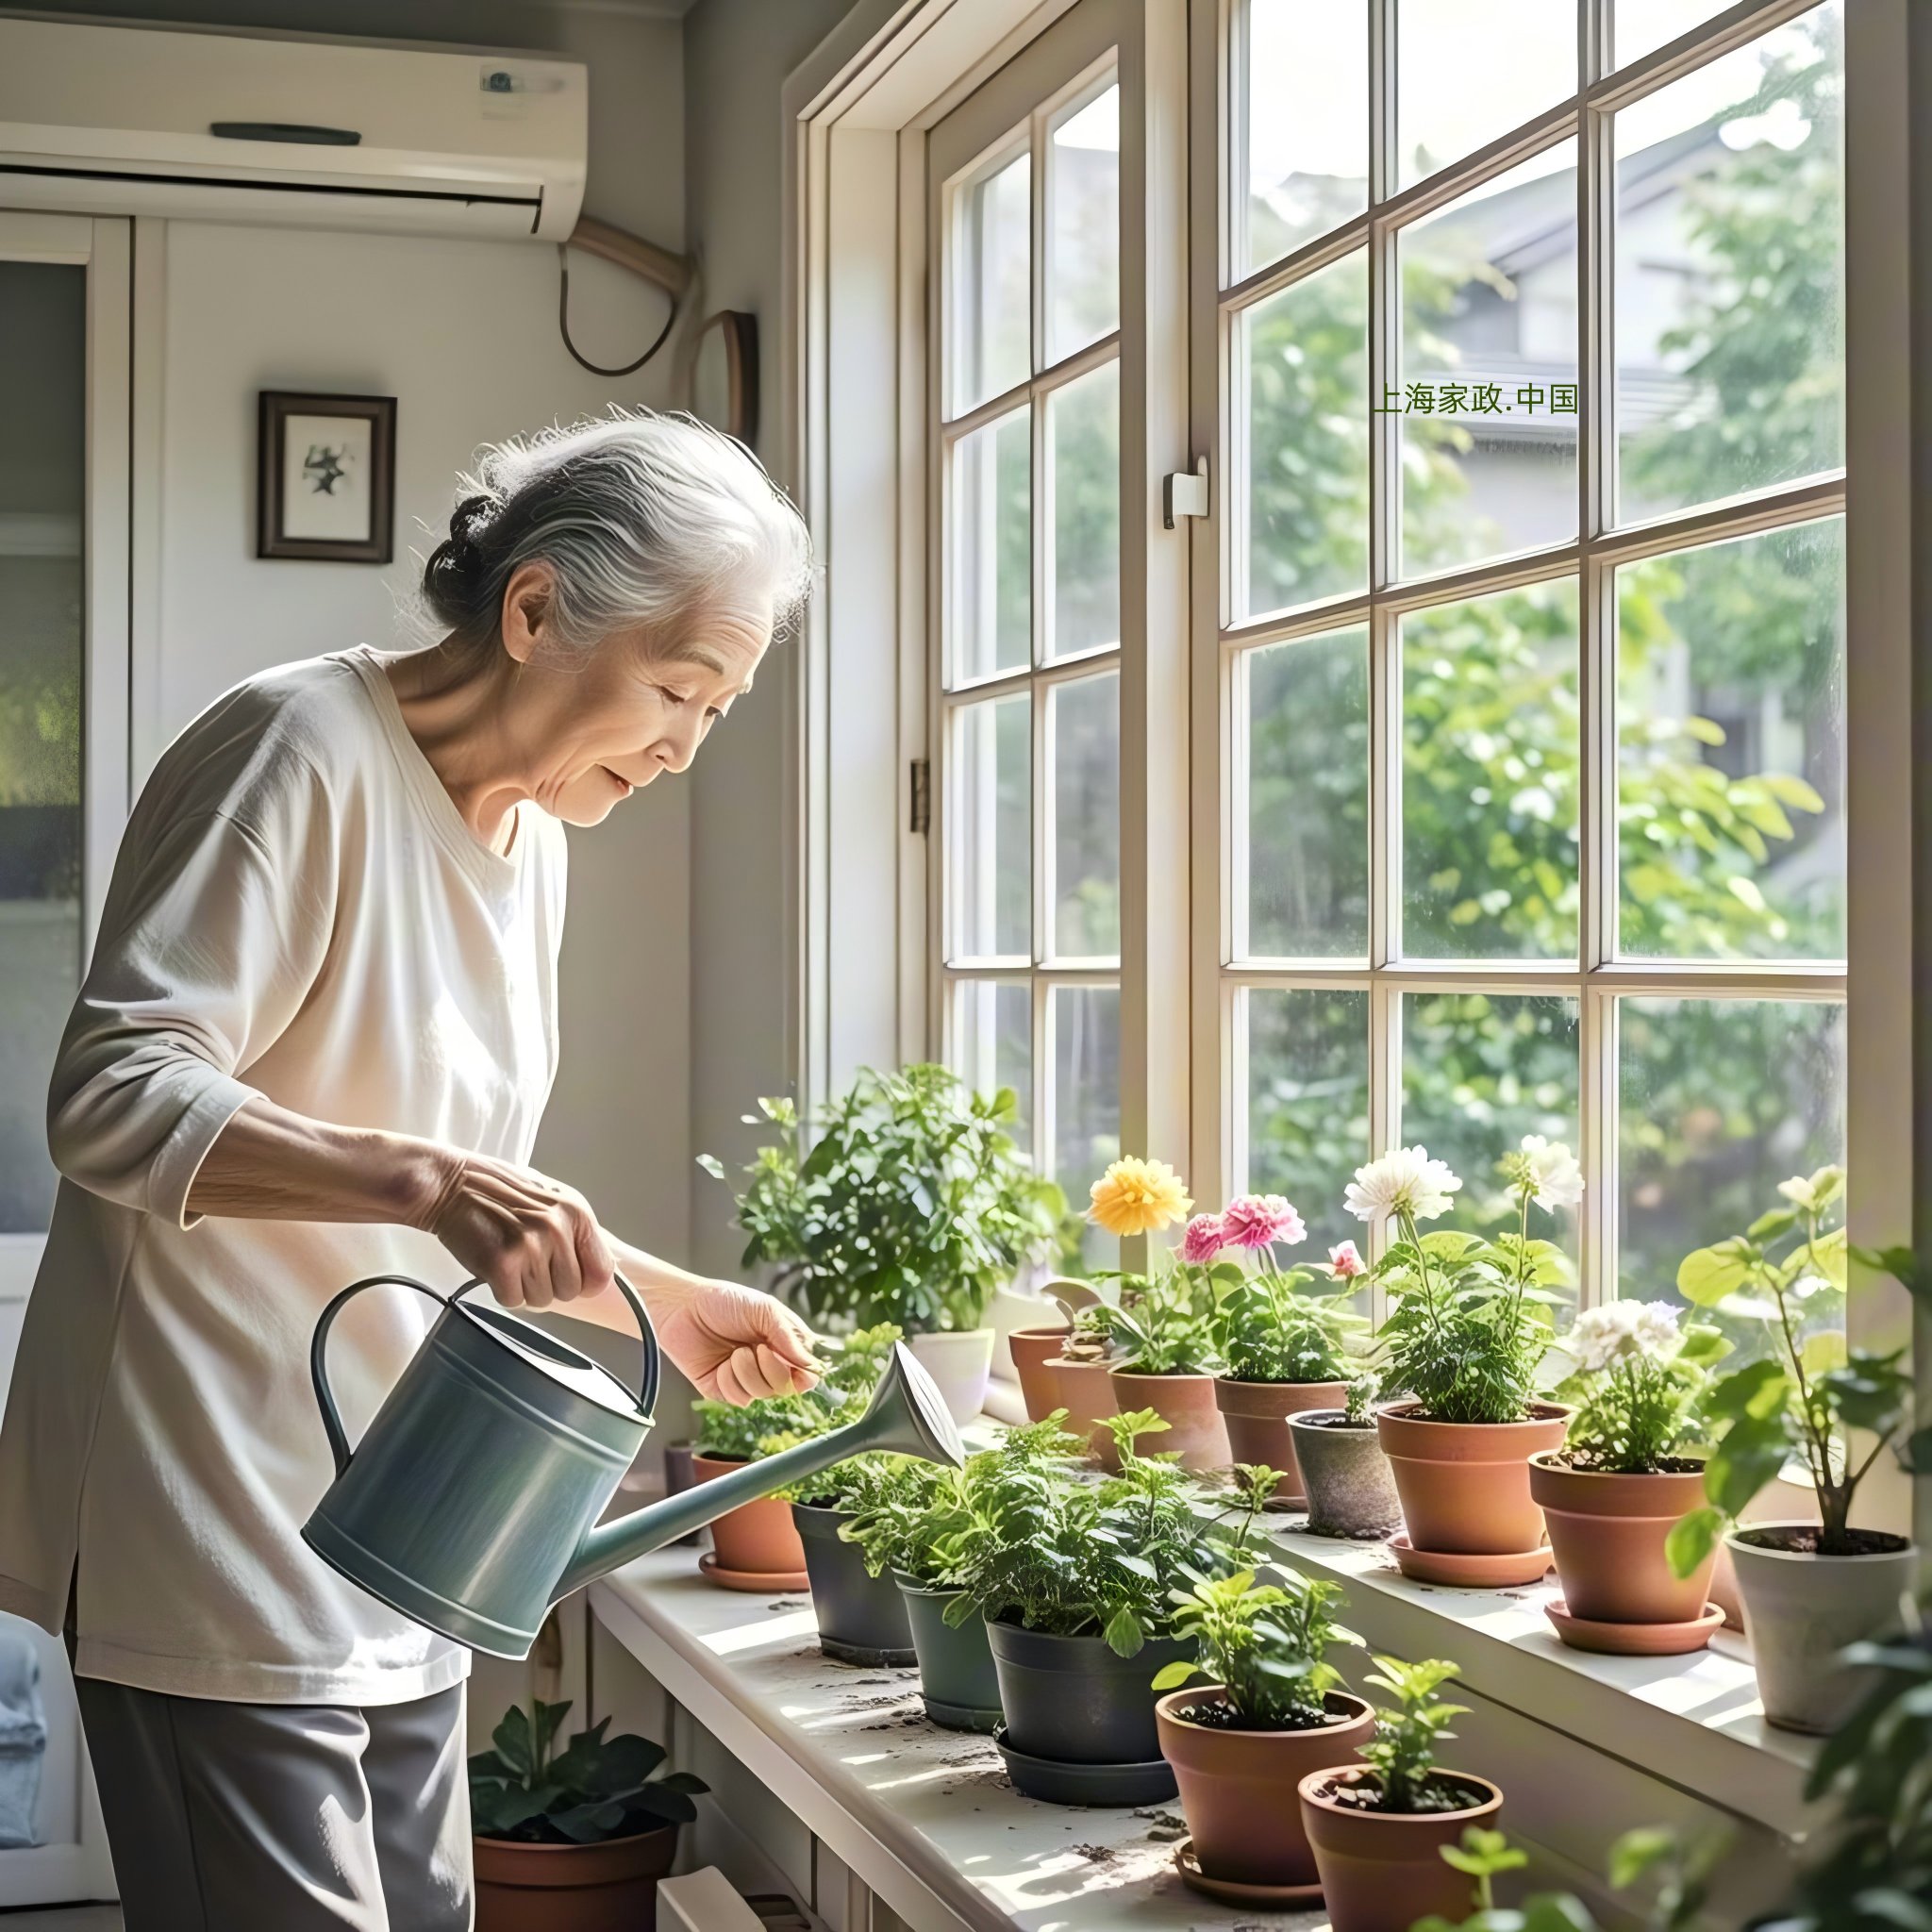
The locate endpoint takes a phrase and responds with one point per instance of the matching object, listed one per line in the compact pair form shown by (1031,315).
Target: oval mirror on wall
(724,381)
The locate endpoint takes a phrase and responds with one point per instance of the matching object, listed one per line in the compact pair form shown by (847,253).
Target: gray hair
(645,518)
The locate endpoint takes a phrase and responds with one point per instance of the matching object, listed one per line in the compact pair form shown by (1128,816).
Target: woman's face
(597,730)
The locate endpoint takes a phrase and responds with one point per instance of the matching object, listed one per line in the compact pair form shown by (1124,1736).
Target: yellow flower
(1138,1197)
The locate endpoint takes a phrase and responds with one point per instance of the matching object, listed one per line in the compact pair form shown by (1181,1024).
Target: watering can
(471,1504)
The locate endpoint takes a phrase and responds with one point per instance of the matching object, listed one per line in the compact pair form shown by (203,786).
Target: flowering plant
(1472,1319)
(1137,1196)
(1271,1324)
(1636,1385)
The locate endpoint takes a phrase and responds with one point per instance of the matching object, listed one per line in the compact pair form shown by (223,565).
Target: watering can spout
(906,1416)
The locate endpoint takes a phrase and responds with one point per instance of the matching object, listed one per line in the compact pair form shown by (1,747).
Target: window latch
(1184,493)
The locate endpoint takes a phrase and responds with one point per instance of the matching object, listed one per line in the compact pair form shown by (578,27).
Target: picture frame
(325,477)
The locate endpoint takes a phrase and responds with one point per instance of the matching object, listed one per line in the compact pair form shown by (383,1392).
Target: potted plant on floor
(756,1546)
(1378,1828)
(1282,1340)
(1470,1327)
(576,1840)
(1808,1588)
(912,1205)
(1351,1488)
(1274,1713)
(1610,1495)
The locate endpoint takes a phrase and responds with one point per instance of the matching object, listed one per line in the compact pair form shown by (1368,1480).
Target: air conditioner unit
(287,128)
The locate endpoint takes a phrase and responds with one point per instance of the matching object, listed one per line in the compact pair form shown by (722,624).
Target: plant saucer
(1460,1570)
(869,1656)
(1276,1898)
(773,1582)
(961,1717)
(1634,1639)
(1059,1782)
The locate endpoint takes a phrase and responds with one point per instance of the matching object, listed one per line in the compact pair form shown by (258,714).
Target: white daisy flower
(1621,1331)
(1556,1180)
(1404,1182)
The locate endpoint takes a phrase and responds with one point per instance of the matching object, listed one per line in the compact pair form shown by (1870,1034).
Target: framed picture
(326,468)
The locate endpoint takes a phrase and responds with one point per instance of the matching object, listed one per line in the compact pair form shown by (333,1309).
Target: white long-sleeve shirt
(298,910)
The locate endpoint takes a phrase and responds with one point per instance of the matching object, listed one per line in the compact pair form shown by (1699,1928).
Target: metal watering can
(471,1504)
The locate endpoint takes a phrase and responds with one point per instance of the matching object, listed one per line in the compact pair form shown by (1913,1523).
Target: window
(1531,583)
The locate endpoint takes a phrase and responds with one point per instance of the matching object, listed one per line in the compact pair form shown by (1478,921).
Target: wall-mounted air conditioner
(287,128)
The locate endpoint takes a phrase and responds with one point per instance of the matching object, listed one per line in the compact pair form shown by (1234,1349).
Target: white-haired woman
(314,1042)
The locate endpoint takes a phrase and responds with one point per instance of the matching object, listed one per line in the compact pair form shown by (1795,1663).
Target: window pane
(1642,26)
(1307,1084)
(993,1042)
(1721,1100)
(1302,359)
(1731,751)
(1084,727)
(1084,1023)
(992,830)
(1083,185)
(1083,426)
(1490,776)
(1304,168)
(1487,387)
(992,547)
(1306,713)
(1469,70)
(42,329)
(1480,1071)
(992,271)
(1730,273)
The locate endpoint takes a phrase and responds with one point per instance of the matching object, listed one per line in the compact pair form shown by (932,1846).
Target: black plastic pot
(679,1478)
(956,1673)
(861,1619)
(1070,1699)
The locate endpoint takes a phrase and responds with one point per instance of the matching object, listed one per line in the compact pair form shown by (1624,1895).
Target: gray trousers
(283,1817)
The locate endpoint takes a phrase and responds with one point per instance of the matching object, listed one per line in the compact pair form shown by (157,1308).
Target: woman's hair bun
(454,572)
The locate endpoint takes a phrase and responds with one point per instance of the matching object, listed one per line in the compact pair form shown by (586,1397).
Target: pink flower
(1258,1220)
(1204,1239)
(1346,1261)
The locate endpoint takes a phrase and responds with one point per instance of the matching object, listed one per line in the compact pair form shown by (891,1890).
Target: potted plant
(1035,1347)
(1276,1712)
(576,1840)
(1610,1495)
(1808,1588)
(1083,1378)
(756,1546)
(912,1205)
(1283,1348)
(1072,1578)
(1351,1489)
(1470,1327)
(1378,1828)
(1164,1364)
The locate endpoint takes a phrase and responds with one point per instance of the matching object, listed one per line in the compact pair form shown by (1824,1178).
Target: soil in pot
(1033,1351)
(1255,1417)
(1073,1700)
(957,1681)
(961,1361)
(1085,1392)
(756,1539)
(1186,1403)
(1801,1608)
(1607,1532)
(1350,1489)
(1382,1871)
(1234,1782)
(610,1887)
(1465,1486)
(861,1618)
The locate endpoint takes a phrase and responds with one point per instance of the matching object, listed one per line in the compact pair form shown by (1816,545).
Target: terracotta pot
(1801,1610)
(1033,1351)
(1085,1392)
(1382,1871)
(1465,1486)
(610,1887)
(1350,1491)
(1607,1532)
(755,1539)
(1187,1401)
(1255,1417)
(1234,1785)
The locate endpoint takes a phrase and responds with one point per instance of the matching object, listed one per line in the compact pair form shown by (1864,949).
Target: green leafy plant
(1401,1754)
(1280,1327)
(1357,1405)
(595,1788)
(915,1506)
(1162,1325)
(742,1432)
(1806,1397)
(1636,1384)
(912,1205)
(1681,1873)
(1265,1643)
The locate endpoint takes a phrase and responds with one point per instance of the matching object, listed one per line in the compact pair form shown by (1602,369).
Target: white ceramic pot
(960,1364)
(1799,1611)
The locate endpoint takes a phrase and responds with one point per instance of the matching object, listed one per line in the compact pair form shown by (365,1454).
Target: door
(64,380)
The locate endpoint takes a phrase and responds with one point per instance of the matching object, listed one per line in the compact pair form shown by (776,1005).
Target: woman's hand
(734,1343)
(533,1241)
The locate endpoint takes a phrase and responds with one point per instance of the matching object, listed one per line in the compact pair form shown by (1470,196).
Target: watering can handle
(318,1351)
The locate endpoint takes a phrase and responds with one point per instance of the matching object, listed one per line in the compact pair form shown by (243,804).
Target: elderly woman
(315,1043)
